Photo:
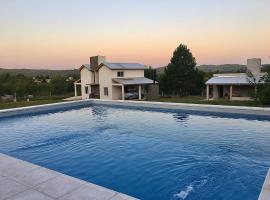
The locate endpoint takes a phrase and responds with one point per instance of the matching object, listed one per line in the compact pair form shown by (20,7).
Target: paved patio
(20,180)
(265,193)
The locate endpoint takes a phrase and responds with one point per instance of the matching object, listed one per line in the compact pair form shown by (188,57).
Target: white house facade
(114,81)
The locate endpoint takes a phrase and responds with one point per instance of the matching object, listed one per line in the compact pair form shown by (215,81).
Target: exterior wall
(105,80)
(86,78)
(152,91)
(116,92)
(128,73)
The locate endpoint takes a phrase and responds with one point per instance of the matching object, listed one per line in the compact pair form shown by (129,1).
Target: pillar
(140,92)
(207,92)
(231,91)
(75,89)
(123,92)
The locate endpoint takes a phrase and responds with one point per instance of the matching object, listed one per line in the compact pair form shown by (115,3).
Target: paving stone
(59,186)
(90,191)
(14,167)
(36,176)
(30,195)
(265,194)
(9,188)
(20,180)
(267,181)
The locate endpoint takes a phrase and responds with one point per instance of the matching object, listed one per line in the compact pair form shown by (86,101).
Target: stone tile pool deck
(20,180)
(265,193)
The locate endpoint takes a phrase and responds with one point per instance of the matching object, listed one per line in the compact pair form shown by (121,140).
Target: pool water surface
(147,154)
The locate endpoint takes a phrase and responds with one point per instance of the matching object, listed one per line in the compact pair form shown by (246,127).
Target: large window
(86,89)
(120,74)
(106,91)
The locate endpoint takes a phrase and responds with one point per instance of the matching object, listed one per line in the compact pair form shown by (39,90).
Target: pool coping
(26,181)
(242,110)
(265,192)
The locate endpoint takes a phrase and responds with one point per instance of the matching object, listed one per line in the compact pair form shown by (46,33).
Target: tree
(263,93)
(181,78)
(150,73)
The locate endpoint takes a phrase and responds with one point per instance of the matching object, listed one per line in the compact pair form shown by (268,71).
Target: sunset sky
(62,34)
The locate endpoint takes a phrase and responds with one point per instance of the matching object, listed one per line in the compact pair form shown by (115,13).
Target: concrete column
(140,92)
(231,91)
(123,92)
(75,89)
(207,92)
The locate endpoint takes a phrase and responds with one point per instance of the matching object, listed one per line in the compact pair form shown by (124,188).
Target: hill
(41,72)
(226,68)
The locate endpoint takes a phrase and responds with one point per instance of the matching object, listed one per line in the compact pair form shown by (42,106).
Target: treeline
(24,86)
(180,77)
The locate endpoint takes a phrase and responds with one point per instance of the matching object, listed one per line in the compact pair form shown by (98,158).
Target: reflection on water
(99,113)
(181,117)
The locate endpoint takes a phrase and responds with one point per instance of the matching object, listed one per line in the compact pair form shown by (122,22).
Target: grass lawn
(201,100)
(25,103)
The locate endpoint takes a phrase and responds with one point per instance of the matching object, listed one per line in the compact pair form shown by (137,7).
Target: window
(106,91)
(86,89)
(120,74)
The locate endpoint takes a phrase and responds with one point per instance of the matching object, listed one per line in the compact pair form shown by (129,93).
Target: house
(236,86)
(115,81)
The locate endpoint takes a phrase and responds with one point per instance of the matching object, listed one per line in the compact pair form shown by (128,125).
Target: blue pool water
(147,154)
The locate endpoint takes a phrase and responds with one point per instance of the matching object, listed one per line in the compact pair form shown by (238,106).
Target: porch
(229,92)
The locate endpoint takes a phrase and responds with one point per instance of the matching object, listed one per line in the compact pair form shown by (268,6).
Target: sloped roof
(233,80)
(133,81)
(124,65)
(86,66)
(113,66)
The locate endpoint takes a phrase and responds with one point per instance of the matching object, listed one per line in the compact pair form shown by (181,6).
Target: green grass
(25,103)
(201,100)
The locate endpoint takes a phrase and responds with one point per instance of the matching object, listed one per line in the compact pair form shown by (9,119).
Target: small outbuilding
(236,86)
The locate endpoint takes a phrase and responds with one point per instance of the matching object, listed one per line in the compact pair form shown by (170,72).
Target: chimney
(95,61)
(254,65)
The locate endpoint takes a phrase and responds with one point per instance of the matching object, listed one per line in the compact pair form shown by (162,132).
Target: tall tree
(180,72)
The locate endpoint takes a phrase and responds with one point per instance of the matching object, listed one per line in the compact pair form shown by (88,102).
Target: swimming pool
(147,154)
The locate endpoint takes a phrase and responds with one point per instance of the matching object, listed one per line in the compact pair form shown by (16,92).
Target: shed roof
(133,81)
(233,80)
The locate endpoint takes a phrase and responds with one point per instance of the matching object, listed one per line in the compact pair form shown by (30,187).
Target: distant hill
(41,72)
(226,68)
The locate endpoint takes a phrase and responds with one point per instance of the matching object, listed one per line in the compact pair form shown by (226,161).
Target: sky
(63,34)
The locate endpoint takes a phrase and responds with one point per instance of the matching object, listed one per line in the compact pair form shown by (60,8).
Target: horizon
(63,34)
